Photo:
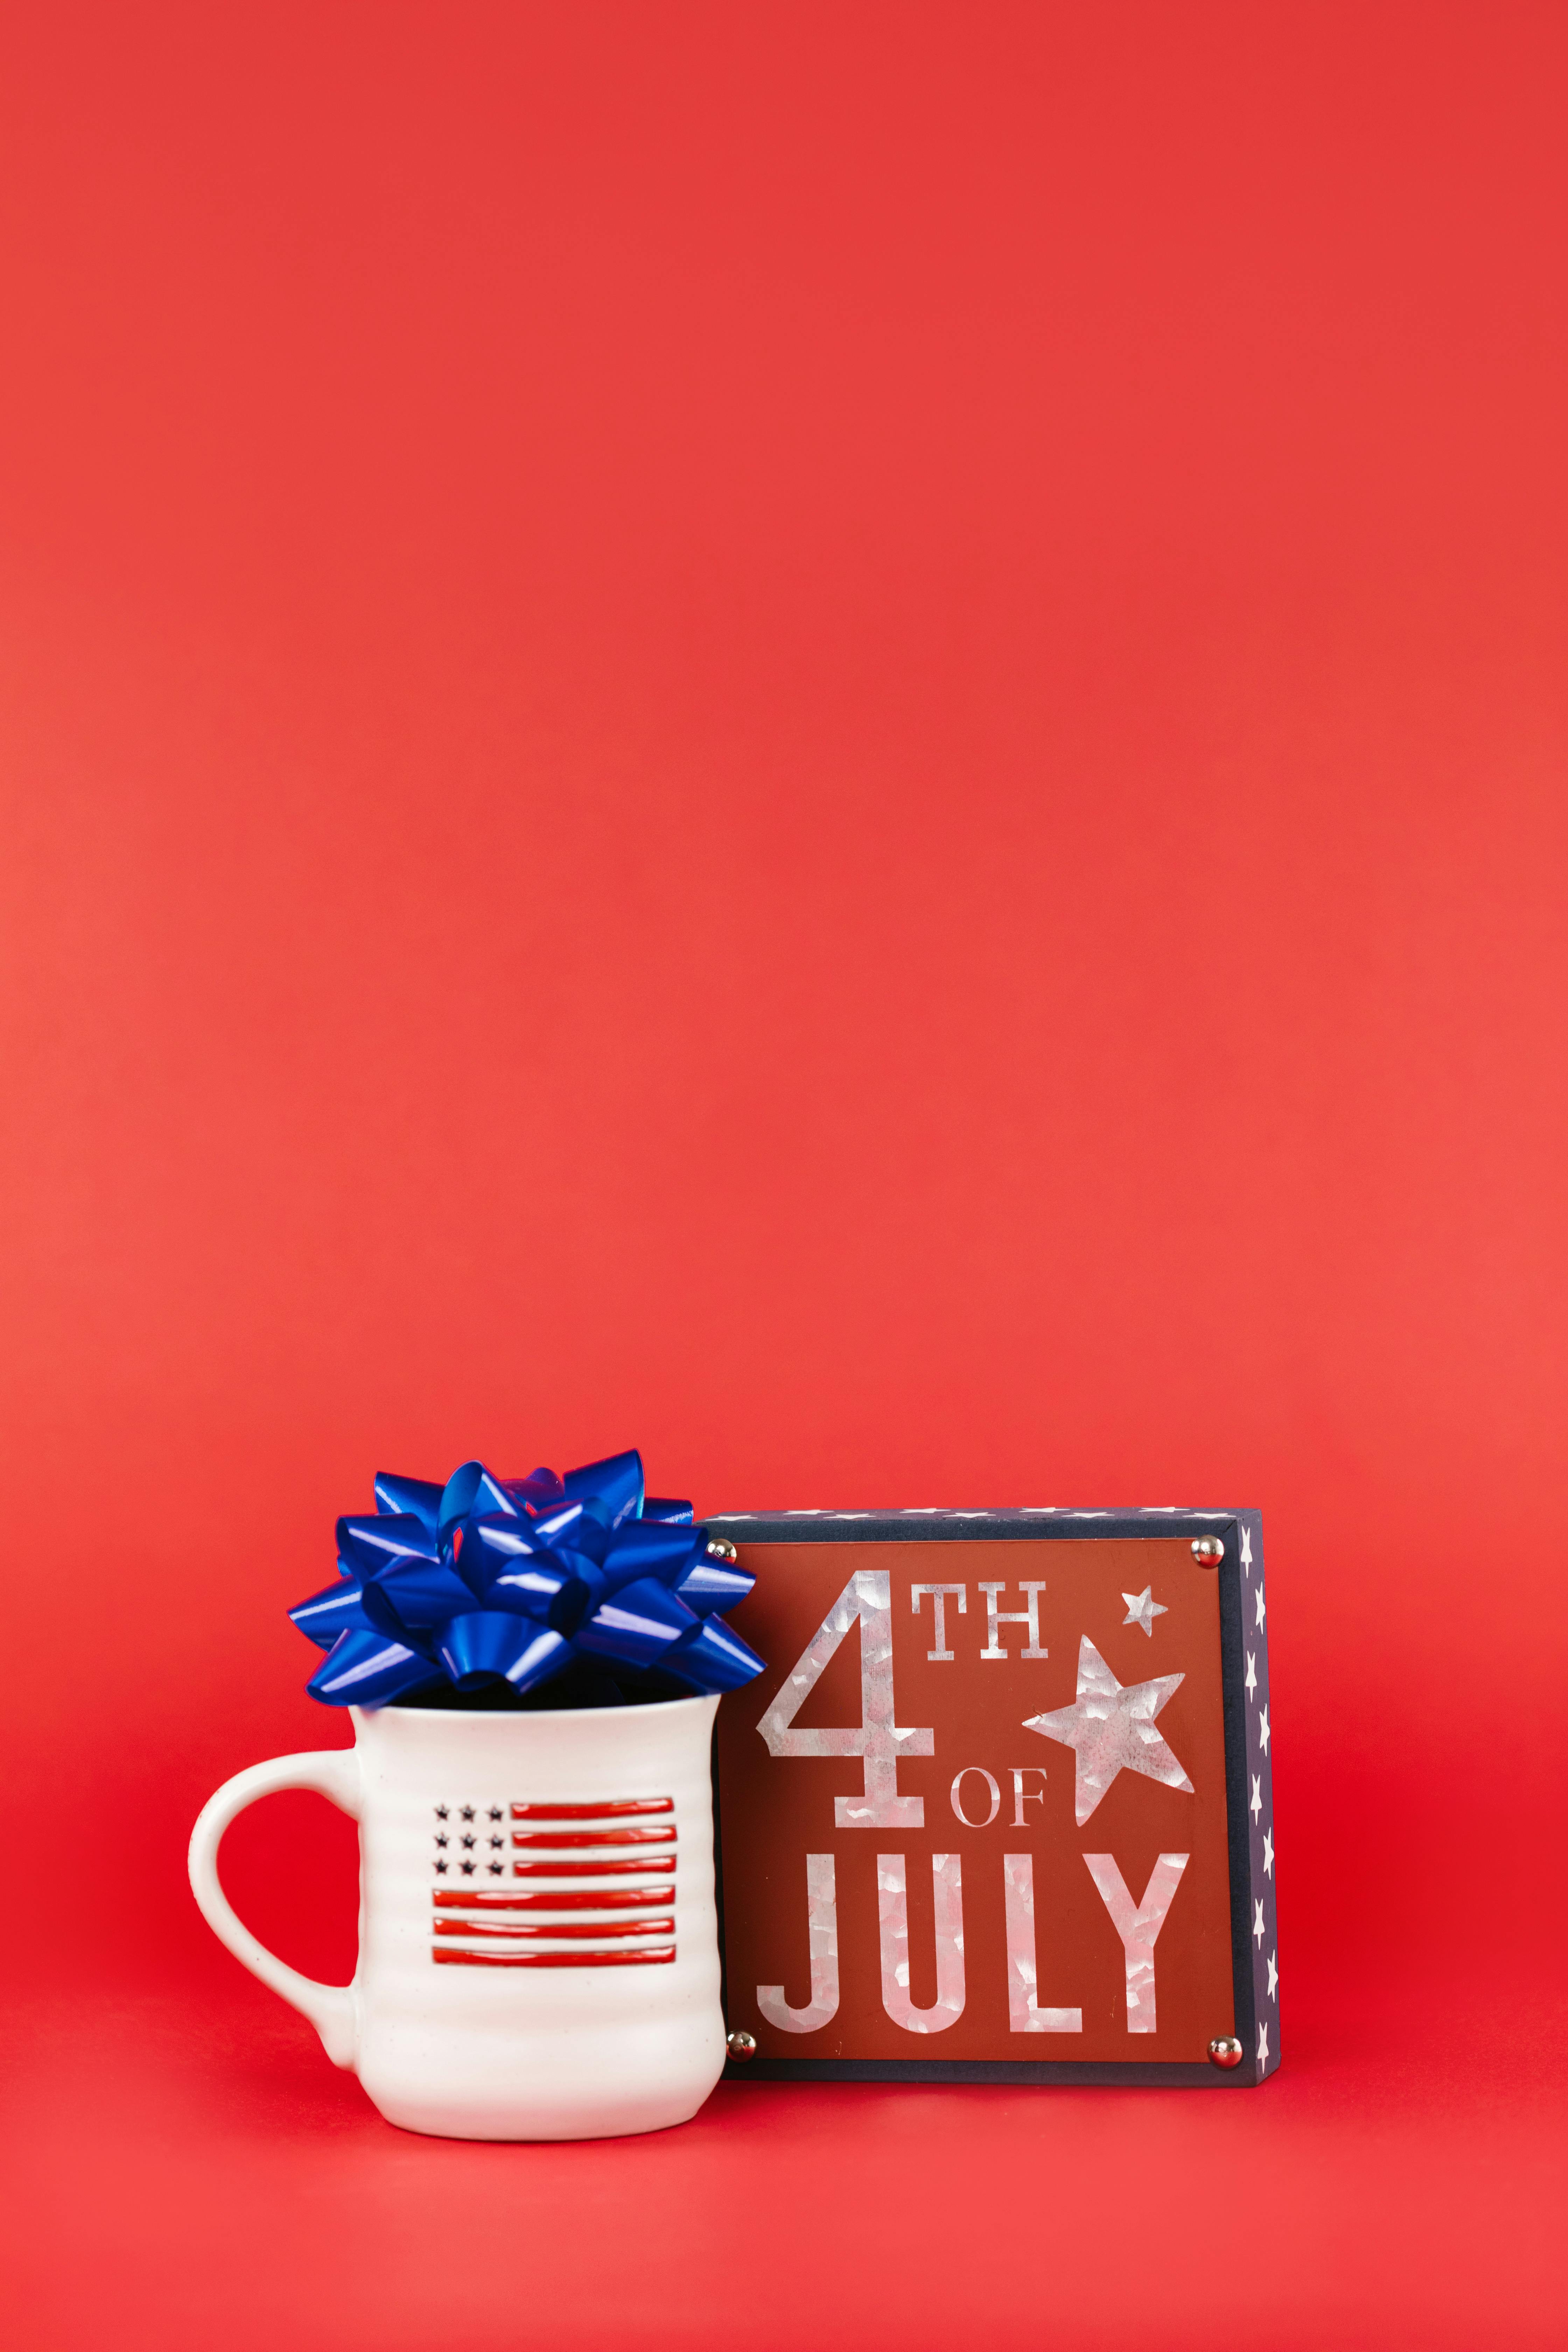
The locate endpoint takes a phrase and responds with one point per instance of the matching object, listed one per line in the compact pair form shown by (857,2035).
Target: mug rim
(530,1714)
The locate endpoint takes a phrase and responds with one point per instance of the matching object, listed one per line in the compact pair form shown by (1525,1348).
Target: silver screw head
(1207,1551)
(742,2046)
(720,1547)
(1225,2051)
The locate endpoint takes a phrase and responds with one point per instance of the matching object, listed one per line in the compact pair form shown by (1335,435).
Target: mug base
(617,2119)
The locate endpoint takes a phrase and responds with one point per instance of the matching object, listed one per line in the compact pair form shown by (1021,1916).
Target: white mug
(538,1940)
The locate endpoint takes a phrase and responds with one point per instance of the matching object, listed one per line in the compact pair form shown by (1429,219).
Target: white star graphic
(1263,1731)
(1261,1606)
(1256,1805)
(1273,1979)
(1246,1551)
(1268,1854)
(1143,1608)
(1251,1673)
(1111,1729)
(1257,1923)
(1262,2043)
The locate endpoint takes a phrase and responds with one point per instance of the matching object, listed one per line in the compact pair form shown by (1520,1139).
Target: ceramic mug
(538,1941)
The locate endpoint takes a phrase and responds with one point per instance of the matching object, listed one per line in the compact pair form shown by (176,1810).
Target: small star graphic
(467,1837)
(497,1867)
(496,1841)
(1143,1608)
(1251,1673)
(1246,1551)
(1260,1608)
(1273,1979)
(440,1813)
(496,1814)
(1268,1854)
(1110,1728)
(1262,2043)
(1256,1922)
(467,1812)
(1256,1805)
(467,1869)
(440,1837)
(1263,1732)
(441,1868)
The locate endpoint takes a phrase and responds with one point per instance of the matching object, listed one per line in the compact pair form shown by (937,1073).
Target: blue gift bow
(514,1577)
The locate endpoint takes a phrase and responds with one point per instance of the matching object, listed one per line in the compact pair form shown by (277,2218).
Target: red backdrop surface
(831,739)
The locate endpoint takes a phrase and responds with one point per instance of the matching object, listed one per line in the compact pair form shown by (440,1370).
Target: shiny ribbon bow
(491,1578)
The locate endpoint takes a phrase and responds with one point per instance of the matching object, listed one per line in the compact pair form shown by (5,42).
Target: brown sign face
(976,1809)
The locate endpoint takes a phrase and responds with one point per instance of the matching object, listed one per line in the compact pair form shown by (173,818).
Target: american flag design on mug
(597,1885)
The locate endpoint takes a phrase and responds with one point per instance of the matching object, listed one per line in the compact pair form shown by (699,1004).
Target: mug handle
(333,1772)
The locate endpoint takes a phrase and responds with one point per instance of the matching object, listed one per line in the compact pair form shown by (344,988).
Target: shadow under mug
(538,1941)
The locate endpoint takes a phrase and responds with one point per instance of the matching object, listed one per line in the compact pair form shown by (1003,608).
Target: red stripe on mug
(585,1931)
(593,1812)
(593,1837)
(569,1898)
(653,1862)
(455,1959)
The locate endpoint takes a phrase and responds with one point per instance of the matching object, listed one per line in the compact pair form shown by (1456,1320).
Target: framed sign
(1001,1807)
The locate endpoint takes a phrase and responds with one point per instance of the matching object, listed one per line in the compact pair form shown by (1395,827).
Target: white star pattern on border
(1143,1608)
(1260,1803)
(1110,1728)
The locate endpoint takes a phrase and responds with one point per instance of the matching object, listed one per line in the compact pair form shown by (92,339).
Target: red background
(831,739)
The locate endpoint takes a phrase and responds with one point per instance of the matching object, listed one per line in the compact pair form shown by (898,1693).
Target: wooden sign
(1000,1809)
